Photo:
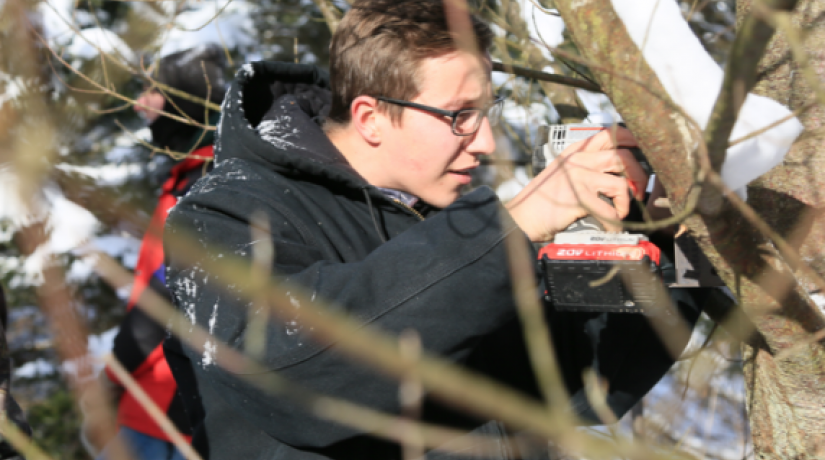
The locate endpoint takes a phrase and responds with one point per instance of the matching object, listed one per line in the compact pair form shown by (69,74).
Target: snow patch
(108,174)
(101,345)
(526,116)
(234,26)
(276,131)
(819,300)
(34,369)
(598,106)
(229,171)
(98,347)
(693,80)
(92,42)
(247,70)
(54,16)
(209,350)
(123,247)
(13,86)
(213,320)
(547,28)
(68,224)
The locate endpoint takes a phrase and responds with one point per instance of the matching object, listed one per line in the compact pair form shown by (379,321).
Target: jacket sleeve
(445,277)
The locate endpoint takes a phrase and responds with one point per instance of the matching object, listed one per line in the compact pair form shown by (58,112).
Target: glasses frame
(452,114)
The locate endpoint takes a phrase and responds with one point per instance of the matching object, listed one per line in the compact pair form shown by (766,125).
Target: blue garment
(145,447)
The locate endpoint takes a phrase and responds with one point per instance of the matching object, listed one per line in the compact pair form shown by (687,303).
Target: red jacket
(139,343)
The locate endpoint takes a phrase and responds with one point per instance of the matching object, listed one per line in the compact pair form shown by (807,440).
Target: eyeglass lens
(468,121)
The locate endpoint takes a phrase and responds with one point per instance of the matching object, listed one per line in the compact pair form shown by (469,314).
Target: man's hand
(569,188)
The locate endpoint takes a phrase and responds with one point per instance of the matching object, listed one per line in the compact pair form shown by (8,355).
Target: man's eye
(465,115)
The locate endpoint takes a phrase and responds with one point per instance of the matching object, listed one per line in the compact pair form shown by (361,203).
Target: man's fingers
(618,162)
(608,139)
(615,188)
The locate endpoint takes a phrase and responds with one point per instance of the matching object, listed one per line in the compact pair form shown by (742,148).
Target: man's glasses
(465,122)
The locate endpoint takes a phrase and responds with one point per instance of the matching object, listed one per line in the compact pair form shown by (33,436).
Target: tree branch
(740,78)
(544,76)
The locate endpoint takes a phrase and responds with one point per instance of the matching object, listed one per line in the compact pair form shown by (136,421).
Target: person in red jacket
(138,345)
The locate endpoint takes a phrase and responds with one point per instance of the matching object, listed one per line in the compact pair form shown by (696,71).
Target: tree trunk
(780,396)
(785,399)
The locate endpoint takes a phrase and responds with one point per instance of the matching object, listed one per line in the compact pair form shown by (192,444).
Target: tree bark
(784,391)
(780,396)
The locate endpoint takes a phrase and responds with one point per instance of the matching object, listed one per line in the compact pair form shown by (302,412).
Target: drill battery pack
(601,272)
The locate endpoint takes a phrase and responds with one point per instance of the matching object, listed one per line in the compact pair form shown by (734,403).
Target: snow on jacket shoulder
(442,277)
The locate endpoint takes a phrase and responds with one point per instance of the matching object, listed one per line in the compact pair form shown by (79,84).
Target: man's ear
(364,118)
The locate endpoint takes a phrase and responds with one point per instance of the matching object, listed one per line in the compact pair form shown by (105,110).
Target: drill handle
(589,223)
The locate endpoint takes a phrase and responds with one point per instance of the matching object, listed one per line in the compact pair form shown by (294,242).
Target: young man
(367,213)
(138,345)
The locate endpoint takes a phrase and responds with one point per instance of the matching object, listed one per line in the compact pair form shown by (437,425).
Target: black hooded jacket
(445,277)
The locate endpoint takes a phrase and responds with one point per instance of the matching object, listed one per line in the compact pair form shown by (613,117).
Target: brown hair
(377,48)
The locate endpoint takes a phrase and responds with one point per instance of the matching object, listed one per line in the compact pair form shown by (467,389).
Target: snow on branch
(693,80)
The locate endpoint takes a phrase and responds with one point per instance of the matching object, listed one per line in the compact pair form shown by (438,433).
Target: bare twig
(544,76)
(22,443)
(155,412)
(332,16)
(537,334)
(411,395)
(784,119)
(166,151)
(263,255)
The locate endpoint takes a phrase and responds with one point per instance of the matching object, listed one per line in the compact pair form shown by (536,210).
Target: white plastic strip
(693,80)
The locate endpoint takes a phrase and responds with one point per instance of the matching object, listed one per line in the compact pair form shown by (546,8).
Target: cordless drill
(586,268)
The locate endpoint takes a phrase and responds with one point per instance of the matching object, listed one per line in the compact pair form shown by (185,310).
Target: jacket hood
(272,115)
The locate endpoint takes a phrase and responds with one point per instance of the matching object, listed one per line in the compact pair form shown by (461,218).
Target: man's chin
(442,200)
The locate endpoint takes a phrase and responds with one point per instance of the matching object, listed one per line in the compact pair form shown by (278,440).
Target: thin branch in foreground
(537,334)
(411,395)
(21,443)
(157,415)
(263,255)
(788,117)
(166,151)
(790,256)
(331,14)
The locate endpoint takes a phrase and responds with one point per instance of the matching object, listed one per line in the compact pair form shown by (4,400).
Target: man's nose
(483,142)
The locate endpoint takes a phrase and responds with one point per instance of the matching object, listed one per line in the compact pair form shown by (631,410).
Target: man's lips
(463,175)
(463,170)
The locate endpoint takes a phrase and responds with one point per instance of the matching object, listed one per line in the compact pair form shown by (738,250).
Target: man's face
(423,156)
(149,104)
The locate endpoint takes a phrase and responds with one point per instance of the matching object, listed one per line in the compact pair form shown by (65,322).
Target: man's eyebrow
(460,102)
(473,102)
